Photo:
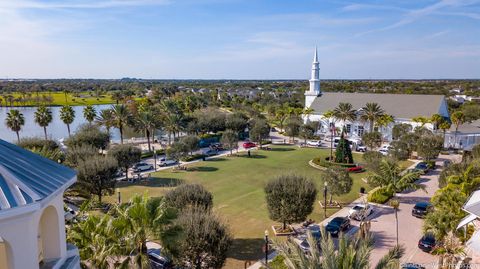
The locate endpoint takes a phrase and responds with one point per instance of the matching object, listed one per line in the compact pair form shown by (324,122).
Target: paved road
(410,228)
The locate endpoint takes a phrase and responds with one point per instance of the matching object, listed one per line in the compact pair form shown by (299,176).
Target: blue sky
(234,39)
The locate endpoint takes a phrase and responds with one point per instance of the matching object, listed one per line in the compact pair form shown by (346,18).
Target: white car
(361,148)
(314,143)
(360,211)
(383,151)
(166,162)
(139,167)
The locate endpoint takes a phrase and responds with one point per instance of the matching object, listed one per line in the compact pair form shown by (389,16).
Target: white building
(466,137)
(403,107)
(32,224)
(472,207)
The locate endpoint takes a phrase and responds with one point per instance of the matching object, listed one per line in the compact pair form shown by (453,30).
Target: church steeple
(314,90)
(315,77)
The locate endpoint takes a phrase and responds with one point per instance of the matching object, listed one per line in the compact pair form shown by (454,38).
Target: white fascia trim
(9,177)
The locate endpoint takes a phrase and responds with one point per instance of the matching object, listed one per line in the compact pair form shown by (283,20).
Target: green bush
(277,263)
(431,164)
(379,195)
(325,163)
(193,157)
(207,136)
(150,153)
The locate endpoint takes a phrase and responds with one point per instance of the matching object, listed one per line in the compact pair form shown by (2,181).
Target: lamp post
(266,248)
(119,196)
(325,197)
(154,159)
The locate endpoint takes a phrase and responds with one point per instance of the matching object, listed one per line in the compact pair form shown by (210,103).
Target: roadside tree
(126,156)
(290,198)
(229,140)
(338,180)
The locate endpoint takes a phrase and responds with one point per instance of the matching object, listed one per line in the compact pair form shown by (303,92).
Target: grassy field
(58,99)
(237,186)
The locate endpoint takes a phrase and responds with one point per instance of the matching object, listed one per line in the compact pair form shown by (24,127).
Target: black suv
(427,243)
(421,209)
(338,224)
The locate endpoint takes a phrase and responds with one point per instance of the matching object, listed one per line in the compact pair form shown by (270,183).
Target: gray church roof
(404,106)
(26,177)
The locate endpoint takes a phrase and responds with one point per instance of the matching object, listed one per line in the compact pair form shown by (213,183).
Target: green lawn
(237,187)
(59,99)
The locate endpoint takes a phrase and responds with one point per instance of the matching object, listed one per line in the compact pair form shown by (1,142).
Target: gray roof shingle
(405,106)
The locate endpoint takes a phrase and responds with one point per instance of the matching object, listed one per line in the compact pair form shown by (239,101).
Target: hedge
(150,153)
(379,195)
(193,157)
(321,162)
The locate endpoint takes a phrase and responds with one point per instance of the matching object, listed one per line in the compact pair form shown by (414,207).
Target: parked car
(427,243)
(355,169)
(421,167)
(314,230)
(210,152)
(360,211)
(447,163)
(361,148)
(421,209)
(166,162)
(216,146)
(314,143)
(384,152)
(248,145)
(157,261)
(140,167)
(412,266)
(338,224)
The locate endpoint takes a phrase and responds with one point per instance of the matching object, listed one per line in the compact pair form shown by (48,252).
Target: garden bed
(279,231)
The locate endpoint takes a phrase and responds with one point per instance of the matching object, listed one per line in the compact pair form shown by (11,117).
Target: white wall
(22,231)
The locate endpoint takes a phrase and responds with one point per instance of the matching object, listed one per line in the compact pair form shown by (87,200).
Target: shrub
(193,157)
(379,195)
(322,162)
(372,159)
(150,153)
(189,195)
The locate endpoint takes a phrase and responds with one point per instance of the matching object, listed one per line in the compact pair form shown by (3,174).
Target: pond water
(57,129)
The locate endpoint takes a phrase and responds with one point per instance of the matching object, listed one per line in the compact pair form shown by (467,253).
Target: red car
(356,169)
(248,145)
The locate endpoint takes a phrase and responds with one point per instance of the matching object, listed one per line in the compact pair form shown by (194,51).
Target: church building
(403,107)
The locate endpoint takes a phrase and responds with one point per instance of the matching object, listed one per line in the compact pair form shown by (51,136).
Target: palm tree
(448,250)
(371,112)
(121,118)
(142,220)
(330,117)
(395,204)
(444,125)
(43,117)
(307,112)
(147,123)
(89,113)
(344,112)
(352,253)
(67,115)
(384,121)
(458,118)
(422,120)
(105,118)
(96,239)
(392,177)
(15,120)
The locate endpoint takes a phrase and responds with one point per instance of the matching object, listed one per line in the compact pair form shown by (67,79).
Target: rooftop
(26,177)
(405,106)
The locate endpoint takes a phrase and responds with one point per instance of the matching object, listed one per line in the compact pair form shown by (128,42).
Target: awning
(469,218)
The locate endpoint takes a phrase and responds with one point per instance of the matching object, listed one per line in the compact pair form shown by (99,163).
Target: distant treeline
(139,86)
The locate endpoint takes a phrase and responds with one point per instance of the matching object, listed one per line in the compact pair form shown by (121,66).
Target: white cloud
(23,4)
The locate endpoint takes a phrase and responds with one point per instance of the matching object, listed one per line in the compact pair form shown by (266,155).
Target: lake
(57,129)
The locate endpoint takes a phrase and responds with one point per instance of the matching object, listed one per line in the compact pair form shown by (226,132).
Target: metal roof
(404,106)
(26,177)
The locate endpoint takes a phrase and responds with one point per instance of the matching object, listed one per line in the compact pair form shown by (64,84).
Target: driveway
(409,227)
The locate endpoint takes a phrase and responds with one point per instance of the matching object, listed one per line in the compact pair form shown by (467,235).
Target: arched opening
(48,236)
(5,254)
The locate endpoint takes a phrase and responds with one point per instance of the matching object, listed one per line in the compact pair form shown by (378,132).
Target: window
(348,127)
(360,131)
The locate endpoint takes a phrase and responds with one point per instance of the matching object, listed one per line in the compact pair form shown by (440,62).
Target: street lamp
(266,247)
(325,197)
(154,159)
